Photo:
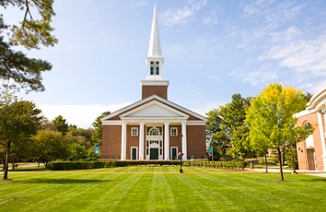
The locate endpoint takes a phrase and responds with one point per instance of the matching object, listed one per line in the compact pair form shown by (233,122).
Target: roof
(155,108)
(316,103)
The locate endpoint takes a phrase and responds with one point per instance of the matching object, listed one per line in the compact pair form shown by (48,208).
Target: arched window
(154,131)
(306,124)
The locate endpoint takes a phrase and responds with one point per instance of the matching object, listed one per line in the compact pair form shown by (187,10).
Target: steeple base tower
(155,87)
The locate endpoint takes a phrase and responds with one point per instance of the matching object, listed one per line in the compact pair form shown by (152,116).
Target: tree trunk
(5,165)
(280,162)
(293,161)
(266,165)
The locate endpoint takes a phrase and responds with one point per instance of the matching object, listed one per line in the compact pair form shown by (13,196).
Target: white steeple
(154,84)
(154,42)
(154,59)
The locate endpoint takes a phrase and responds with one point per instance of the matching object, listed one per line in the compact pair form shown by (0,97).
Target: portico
(154,142)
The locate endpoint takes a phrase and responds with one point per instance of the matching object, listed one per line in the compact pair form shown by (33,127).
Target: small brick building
(153,128)
(312,151)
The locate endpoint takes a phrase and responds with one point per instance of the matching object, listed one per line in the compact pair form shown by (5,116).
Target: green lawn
(160,189)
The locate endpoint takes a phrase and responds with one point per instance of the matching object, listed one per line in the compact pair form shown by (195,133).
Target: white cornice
(154,97)
(155,82)
(148,121)
(303,113)
(316,98)
(160,110)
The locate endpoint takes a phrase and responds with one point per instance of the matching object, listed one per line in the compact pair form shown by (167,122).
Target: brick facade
(111,142)
(310,159)
(111,145)
(149,90)
(195,145)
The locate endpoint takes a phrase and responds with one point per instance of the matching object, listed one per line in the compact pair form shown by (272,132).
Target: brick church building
(153,128)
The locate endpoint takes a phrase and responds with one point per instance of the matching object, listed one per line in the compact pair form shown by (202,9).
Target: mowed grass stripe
(161,189)
(15,188)
(51,188)
(247,194)
(199,191)
(78,194)
(113,197)
(160,196)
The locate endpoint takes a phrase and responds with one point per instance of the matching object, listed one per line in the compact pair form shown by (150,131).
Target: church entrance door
(153,154)
(154,143)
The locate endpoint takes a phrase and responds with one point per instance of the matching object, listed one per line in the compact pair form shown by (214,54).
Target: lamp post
(180,155)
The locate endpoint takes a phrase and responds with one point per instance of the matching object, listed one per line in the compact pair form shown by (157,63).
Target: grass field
(160,189)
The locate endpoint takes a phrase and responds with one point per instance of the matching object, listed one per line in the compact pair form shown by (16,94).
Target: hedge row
(73,165)
(147,163)
(234,164)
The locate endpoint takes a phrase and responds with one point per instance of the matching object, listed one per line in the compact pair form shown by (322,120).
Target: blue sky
(212,49)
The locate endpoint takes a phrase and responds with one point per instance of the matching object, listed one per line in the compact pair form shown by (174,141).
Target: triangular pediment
(154,109)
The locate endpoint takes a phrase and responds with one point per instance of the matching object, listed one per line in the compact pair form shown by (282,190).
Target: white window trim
(132,130)
(136,147)
(176,131)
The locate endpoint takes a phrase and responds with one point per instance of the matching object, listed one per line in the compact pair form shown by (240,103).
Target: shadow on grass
(64,181)
(315,179)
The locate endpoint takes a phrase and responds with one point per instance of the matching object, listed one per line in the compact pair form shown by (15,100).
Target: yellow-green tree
(270,119)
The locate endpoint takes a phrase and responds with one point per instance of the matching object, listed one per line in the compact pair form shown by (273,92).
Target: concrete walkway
(308,172)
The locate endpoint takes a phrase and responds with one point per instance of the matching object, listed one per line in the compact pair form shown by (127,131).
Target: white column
(123,140)
(166,141)
(322,137)
(184,140)
(141,141)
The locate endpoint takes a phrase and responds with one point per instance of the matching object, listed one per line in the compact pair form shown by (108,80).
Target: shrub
(147,163)
(234,164)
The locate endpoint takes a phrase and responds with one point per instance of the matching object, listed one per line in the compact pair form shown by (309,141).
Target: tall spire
(154,42)
(154,84)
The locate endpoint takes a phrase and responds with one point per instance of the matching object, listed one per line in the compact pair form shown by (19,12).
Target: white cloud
(181,16)
(263,18)
(302,56)
(285,36)
(205,108)
(80,115)
(254,78)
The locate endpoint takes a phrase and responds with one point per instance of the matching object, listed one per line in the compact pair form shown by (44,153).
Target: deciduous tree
(19,120)
(49,145)
(270,118)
